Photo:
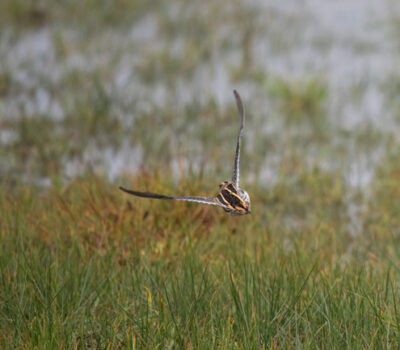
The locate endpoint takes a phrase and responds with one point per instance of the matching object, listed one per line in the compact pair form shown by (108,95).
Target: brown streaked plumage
(233,199)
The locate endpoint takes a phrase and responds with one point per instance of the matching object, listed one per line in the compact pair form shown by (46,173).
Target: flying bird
(233,199)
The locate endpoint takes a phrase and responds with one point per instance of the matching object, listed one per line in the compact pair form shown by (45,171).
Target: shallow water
(350,48)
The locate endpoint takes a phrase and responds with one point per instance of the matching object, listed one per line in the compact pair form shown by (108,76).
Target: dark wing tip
(239,103)
(146,194)
(135,193)
(237,96)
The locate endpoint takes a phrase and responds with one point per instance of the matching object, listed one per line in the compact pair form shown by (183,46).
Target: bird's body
(233,199)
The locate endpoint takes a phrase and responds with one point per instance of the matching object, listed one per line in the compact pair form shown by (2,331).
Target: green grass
(86,266)
(301,101)
(26,14)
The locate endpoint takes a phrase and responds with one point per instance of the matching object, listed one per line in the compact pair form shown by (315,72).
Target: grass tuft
(84,265)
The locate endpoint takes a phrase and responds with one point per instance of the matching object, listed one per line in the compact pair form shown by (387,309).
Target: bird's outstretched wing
(204,200)
(235,175)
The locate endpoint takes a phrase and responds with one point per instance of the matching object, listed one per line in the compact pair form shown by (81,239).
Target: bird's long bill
(204,200)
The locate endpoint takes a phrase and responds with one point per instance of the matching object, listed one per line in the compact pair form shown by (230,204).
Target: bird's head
(246,200)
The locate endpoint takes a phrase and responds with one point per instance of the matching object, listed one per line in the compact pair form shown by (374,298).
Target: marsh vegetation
(94,96)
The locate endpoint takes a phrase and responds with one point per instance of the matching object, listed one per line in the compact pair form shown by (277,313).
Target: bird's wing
(235,175)
(205,200)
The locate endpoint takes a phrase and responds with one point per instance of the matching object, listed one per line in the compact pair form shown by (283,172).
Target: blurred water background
(118,87)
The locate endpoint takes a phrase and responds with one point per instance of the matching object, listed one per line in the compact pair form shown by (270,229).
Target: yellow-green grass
(86,266)
(83,265)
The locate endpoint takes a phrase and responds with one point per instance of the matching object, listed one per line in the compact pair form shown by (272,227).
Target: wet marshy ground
(87,87)
(139,93)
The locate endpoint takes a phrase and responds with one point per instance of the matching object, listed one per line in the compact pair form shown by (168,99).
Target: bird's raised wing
(235,175)
(204,200)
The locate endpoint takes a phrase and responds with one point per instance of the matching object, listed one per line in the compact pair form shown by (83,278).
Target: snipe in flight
(233,199)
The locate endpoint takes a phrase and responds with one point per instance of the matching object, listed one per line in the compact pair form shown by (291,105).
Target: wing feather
(205,200)
(239,104)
